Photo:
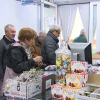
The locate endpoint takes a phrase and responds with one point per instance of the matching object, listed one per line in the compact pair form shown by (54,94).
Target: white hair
(55,27)
(82,31)
(6,28)
(41,33)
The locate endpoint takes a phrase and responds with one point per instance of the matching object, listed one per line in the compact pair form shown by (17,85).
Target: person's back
(50,44)
(81,38)
(7,39)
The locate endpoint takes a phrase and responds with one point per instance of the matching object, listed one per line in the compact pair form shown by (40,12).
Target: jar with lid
(63,63)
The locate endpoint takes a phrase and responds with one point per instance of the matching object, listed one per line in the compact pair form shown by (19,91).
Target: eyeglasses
(58,32)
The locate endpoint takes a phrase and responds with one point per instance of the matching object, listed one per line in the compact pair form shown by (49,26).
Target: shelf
(38,2)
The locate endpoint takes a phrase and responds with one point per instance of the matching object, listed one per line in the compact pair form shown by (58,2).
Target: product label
(48,83)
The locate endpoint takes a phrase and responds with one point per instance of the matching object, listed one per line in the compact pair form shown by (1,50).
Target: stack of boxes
(75,81)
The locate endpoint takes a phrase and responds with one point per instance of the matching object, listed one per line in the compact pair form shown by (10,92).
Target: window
(94,26)
(78,25)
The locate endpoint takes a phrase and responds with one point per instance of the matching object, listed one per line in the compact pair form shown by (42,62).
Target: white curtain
(66,17)
(84,13)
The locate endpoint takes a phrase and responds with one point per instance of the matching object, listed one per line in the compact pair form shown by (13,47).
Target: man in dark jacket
(7,39)
(81,38)
(50,45)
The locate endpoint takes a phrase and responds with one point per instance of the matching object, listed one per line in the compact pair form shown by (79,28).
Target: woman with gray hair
(50,44)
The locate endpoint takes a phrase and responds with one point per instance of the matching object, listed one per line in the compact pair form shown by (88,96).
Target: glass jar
(63,63)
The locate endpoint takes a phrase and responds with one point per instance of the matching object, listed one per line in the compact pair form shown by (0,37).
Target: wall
(12,12)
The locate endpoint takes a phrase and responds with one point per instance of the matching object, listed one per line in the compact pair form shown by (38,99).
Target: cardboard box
(94,79)
(78,67)
(93,83)
(95,59)
(74,81)
(95,56)
(47,81)
(47,95)
(68,94)
(24,90)
(81,97)
(57,91)
(43,96)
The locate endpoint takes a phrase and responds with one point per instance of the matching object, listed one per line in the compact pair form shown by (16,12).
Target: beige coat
(36,48)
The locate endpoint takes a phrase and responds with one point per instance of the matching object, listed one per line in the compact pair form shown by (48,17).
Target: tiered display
(71,76)
(75,81)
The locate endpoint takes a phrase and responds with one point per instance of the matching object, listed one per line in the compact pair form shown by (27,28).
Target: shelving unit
(44,16)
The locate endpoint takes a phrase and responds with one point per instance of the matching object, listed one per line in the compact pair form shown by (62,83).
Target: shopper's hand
(38,59)
(40,64)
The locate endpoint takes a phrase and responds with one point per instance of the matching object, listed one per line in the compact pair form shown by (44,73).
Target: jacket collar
(53,36)
(81,35)
(7,40)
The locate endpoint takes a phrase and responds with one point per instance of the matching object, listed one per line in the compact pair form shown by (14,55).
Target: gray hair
(82,31)
(55,27)
(41,33)
(6,28)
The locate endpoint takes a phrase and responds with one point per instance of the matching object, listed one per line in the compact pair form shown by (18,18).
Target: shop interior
(80,78)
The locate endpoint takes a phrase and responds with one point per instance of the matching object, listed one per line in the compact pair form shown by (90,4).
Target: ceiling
(62,2)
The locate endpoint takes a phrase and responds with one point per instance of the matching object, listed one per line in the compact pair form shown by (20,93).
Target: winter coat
(80,39)
(17,62)
(48,48)
(4,45)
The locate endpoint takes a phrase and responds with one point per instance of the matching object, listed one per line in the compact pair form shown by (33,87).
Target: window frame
(91,37)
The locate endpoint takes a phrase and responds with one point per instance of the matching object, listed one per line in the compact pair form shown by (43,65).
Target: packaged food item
(94,70)
(50,68)
(8,85)
(63,63)
(86,93)
(78,67)
(57,91)
(27,75)
(74,81)
(23,90)
(96,94)
(68,93)
(84,78)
